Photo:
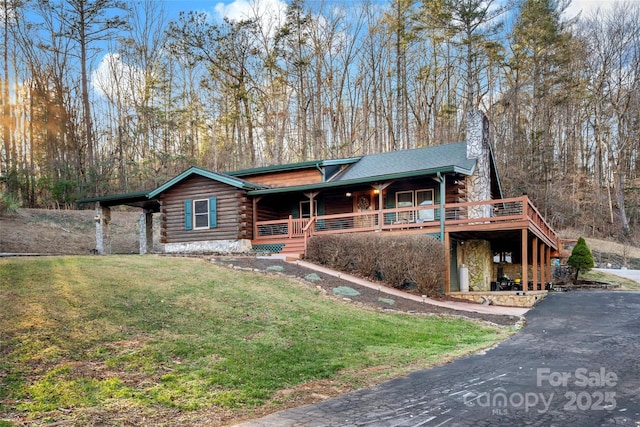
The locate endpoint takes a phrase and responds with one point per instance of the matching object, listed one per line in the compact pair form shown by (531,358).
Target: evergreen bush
(581,259)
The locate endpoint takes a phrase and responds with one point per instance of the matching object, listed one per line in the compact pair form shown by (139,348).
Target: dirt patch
(350,292)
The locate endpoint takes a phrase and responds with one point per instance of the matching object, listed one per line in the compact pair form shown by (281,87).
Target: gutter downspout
(441,179)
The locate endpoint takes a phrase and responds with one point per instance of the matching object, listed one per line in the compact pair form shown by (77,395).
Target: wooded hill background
(103,96)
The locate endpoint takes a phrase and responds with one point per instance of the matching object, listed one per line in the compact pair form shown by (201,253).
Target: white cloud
(115,79)
(587,7)
(270,14)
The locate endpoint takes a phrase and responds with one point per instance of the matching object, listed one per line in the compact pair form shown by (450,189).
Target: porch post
(145,232)
(380,207)
(443,197)
(534,259)
(543,265)
(548,263)
(381,188)
(447,263)
(525,260)
(103,237)
(255,217)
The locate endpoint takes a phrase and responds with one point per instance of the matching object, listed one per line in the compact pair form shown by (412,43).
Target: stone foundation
(209,247)
(503,298)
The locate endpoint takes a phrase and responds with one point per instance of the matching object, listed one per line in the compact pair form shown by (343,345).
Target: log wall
(234,211)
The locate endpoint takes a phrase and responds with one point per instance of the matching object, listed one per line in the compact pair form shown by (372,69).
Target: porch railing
(290,228)
(517,212)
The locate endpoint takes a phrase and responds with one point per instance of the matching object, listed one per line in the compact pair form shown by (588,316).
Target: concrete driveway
(575,363)
(627,274)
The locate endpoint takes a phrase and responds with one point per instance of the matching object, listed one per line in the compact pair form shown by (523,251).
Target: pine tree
(581,258)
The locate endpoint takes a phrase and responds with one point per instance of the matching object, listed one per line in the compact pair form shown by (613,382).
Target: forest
(105,97)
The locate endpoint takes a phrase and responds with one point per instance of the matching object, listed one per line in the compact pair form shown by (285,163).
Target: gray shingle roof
(407,161)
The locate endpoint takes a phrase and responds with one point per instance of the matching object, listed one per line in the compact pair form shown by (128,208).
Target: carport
(102,218)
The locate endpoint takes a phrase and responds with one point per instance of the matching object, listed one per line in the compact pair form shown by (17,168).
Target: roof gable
(226,179)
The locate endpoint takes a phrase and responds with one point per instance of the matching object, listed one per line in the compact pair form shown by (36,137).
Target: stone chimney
(478,184)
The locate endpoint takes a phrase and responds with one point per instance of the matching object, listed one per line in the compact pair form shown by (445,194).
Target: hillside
(64,232)
(71,232)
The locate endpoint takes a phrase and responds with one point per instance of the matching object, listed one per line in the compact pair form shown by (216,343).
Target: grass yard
(150,340)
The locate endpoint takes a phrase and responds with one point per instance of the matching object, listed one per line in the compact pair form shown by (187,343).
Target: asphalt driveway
(575,363)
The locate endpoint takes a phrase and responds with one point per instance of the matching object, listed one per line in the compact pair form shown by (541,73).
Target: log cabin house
(451,192)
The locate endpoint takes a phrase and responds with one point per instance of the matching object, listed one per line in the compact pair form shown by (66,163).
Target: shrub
(330,251)
(397,260)
(427,271)
(581,258)
(9,204)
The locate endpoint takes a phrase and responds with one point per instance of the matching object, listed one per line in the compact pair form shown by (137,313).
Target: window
(305,209)
(200,214)
(404,199)
(425,198)
(407,199)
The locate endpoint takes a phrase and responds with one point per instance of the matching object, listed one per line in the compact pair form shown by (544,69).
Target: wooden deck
(497,215)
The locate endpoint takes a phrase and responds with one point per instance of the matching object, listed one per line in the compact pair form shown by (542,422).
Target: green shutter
(213,217)
(188,216)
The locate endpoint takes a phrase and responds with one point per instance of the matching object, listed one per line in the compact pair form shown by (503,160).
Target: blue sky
(243,9)
(215,6)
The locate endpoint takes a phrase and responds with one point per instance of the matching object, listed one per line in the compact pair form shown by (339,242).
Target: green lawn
(124,339)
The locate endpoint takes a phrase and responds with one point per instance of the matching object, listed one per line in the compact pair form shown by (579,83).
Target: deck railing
(290,228)
(511,213)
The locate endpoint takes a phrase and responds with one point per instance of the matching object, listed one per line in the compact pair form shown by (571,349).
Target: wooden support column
(534,260)
(525,259)
(543,266)
(255,216)
(442,180)
(447,263)
(312,197)
(548,263)
(380,188)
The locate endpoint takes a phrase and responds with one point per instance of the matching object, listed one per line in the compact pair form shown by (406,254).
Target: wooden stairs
(291,248)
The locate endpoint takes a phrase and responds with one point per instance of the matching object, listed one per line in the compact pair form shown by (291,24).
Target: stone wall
(505,298)
(209,247)
(478,185)
(477,256)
